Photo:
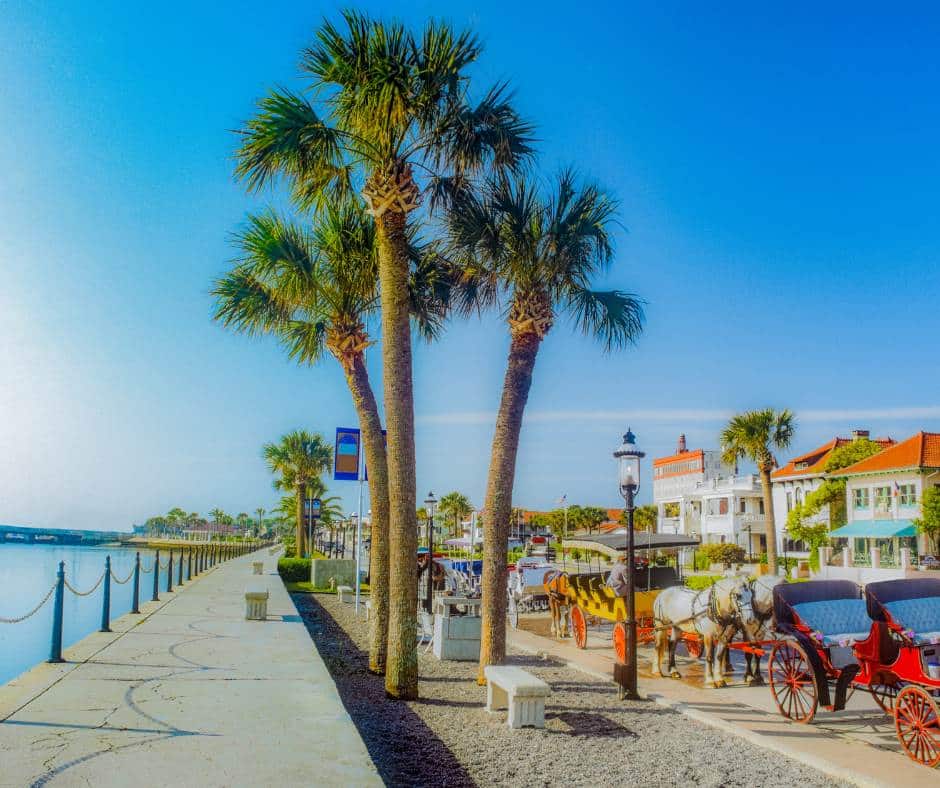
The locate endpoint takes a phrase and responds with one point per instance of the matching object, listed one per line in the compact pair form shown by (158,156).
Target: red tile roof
(814,463)
(919,451)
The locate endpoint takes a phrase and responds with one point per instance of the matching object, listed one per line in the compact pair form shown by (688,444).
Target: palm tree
(458,506)
(539,253)
(755,435)
(315,291)
(218,517)
(175,518)
(387,101)
(299,459)
(260,511)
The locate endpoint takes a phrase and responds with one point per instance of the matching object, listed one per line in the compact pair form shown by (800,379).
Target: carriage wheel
(620,641)
(579,626)
(885,695)
(918,725)
(793,682)
(513,612)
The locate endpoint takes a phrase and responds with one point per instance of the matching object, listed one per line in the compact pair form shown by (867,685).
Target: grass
(309,588)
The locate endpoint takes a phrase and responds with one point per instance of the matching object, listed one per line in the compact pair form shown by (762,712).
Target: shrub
(575,554)
(727,553)
(698,582)
(294,570)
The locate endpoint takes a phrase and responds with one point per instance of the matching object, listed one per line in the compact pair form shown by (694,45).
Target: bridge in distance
(21,534)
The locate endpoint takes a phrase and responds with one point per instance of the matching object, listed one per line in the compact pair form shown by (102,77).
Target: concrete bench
(518,689)
(256,603)
(257,567)
(345,594)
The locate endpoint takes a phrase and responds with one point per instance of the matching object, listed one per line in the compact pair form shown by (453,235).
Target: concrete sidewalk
(858,745)
(190,694)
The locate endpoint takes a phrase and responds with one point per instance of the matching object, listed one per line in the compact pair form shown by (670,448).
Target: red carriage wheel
(620,641)
(917,723)
(886,694)
(579,626)
(793,682)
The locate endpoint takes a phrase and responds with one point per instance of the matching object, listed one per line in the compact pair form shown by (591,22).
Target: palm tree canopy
(456,504)
(383,99)
(542,252)
(299,458)
(755,435)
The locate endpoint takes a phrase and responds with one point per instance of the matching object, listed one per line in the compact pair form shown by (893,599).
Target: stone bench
(257,567)
(345,594)
(518,689)
(256,603)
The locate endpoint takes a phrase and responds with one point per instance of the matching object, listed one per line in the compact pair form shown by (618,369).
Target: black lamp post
(429,504)
(628,458)
(313,514)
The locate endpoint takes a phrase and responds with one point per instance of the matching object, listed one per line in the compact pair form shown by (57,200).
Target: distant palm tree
(175,518)
(218,517)
(538,252)
(316,290)
(457,505)
(755,435)
(299,458)
(260,511)
(387,100)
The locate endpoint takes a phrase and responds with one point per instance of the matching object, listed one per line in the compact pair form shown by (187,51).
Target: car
(929,562)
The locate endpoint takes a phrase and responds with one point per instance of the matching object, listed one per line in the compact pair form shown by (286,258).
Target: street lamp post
(628,458)
(429,504)
(313,514)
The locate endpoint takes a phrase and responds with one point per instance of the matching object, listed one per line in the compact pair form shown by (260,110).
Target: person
(617,579)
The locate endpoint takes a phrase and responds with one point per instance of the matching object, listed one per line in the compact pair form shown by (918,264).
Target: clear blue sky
(779,178)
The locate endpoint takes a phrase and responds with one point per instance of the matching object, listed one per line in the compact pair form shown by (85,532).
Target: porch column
(846,557)
(905,558)
(876,558)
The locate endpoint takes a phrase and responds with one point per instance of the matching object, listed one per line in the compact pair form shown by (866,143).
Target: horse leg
(553,617)
(564,612)
(674,635)
(726,637)
(708,651)
(721,651)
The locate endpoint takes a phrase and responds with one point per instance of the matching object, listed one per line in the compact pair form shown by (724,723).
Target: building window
(907,495)
(717,506)
(743,506)
(789,501)
(883,498)
(860,497)
(799,496)
(760,505)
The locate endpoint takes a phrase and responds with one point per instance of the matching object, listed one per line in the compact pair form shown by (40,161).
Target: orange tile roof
(685,455)
(919,451)
(814,462)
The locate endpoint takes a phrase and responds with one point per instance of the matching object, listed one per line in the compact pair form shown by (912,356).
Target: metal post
(179,579)
(358,582)
(189,564)
(135,605)
(106,601)
(55,653)
(169,573)
(428,601)
(156,577)
(630,690)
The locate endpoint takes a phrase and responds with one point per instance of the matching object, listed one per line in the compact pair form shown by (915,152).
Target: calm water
(26,574)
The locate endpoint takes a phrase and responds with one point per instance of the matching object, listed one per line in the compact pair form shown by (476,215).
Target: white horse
(714,614)
(762,588)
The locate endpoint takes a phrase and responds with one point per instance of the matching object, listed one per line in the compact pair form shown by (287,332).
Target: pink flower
(908,633)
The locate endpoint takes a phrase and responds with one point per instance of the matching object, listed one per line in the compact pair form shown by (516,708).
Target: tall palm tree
(537,253)
(755,435)
(299,458)
(260,511)
(385,101)
(457,505)
(316,291)
(218,516)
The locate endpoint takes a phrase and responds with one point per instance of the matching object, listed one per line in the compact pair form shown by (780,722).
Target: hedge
(294,570)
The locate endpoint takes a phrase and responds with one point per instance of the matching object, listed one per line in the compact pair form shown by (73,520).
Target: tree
(387,100)
(315,291)
(218,516)
(537,252)
(755,435)
(260,511)
(644,518)
(929,521)
(299,459)
(457,506)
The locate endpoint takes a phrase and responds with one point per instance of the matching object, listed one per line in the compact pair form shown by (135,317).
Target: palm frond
(614,317)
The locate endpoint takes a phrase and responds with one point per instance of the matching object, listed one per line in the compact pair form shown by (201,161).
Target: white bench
(257,567)
(345,594)
(256,603)
(518,689)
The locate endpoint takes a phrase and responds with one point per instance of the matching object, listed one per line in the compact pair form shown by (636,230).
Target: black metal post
(179,578)
(189,564)
(106,601)
(156,577)
(428,602)
(135,604)
(169,573)
(628,687)
(55,653)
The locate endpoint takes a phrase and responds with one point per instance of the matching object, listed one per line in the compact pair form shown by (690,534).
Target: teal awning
(875,529)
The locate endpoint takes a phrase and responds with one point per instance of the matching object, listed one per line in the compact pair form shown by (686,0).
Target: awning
(875,529)
(642,540)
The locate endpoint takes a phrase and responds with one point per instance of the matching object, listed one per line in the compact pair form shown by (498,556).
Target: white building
(674,481)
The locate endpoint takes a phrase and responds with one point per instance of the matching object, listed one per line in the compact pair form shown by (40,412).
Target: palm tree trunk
(374,443)
(771,529)
(299,532)
(401,671)
(498,506)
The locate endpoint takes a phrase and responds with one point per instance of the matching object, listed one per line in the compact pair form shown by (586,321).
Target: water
(26,574)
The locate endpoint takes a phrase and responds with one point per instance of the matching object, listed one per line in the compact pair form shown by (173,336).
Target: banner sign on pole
(346,454)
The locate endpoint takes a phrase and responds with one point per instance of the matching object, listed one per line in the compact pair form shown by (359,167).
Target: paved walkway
(858,744)
(186,694)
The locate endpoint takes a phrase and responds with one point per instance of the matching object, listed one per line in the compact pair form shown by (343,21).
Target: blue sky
(778,174)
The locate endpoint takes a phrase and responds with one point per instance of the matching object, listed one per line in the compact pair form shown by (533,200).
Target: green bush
(294,570)
(727,553)
(698,582)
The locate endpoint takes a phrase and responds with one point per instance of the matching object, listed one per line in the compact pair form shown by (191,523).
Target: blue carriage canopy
(786,595)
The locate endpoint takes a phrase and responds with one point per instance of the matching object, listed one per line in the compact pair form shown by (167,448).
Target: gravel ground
(590,738)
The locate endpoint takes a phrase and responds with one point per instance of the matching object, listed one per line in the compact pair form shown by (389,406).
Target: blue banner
(346,454)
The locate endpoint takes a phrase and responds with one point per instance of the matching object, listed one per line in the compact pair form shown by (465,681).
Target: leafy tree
(755,435)
(929,521)
(456,505)
(385,101)
(644,518)
(299,458)
(538,252)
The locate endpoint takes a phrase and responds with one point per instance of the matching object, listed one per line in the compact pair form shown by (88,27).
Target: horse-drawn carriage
(833,642)
(526,591)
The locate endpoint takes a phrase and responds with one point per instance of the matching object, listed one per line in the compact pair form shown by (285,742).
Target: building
(801,476)
(883,497)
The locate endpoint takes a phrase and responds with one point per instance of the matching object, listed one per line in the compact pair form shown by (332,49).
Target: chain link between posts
(114,577)
(146,571)
(31,612)
(89,592)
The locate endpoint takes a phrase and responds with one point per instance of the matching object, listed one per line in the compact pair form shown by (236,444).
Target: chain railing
(198,560)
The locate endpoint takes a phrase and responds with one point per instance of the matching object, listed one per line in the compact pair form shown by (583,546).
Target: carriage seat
(837,620)
(921,616)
